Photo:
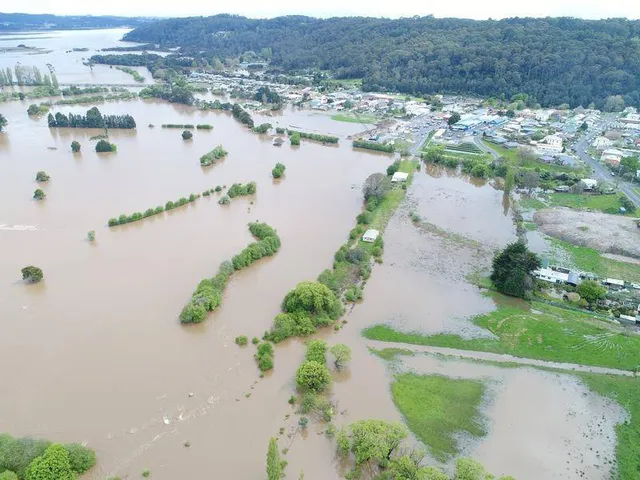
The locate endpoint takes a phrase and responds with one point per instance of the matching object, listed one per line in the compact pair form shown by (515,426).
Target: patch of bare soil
(603,232)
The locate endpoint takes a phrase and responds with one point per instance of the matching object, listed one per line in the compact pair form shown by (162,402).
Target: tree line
(92,119)
(27,75)
(552,60)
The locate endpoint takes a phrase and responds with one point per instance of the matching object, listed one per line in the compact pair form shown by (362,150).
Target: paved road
(496,357)
(484,148)
(603,173)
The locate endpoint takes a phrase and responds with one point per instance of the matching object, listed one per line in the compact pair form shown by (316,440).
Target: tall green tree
(512,269)
(374,440)
(454,118)
(275,465)
(591,291)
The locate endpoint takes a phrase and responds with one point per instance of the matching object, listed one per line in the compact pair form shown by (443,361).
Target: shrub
(146,473)
(294,138)
(218,188)
(279,130)
(357,255)
(193,313)
(91,235)
(187,135)
(264,356)
(313,376)
(278,170)
(81,458)
(451,162)
(255,340)
(316,351)
(32,274)
(393,168)
(213,156)
(225,200)
(104,146)
(42,176)
(54,464)
(8,475)
(75,146)
(242,340)
(38,194)
(364,218)
(376,251)
(353,294)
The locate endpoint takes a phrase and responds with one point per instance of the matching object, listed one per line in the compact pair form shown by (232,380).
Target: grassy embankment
(383,212)
(590,260)
(354,118)
(437,409)
(601,203)
(543,332)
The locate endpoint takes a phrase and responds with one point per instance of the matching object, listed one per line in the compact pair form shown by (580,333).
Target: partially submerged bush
(313,376)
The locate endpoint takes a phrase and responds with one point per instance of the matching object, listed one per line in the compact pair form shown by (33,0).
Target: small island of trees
(242,115)
(187,135)
(32,274)
(38,194)
(37,109)
(92,119)
(213,156)
(238,189)
(42,176)
(105,146)
(318,137)
(380,147)
(278,170)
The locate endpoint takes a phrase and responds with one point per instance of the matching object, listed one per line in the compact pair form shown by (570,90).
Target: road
(600,171)
(478,142)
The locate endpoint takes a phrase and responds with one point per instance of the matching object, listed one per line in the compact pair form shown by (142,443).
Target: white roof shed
(399,177)
(370,235)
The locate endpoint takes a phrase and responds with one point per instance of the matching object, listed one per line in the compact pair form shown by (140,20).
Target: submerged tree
(39,194)
(75,146)
(512,270)
(32,274)
(3,122)
(275,465)
(341,355)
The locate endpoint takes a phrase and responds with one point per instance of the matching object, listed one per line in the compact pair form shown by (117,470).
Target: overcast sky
(479,9)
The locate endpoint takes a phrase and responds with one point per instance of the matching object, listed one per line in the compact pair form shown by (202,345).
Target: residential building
(601,143)
(612,156)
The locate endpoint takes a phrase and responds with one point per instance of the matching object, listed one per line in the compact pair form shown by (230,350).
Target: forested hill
(553,60)
(12,22)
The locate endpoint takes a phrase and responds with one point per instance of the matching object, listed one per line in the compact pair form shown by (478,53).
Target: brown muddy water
(95,353)
(53,47)
(103,357)
(540,424)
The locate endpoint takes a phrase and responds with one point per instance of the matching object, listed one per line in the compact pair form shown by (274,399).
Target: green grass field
(626,392)
(601,203)
(438,408)
(354,118)
(541,332)
(590,260)
(511,156)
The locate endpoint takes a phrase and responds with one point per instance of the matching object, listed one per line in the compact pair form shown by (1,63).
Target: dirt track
(606,233)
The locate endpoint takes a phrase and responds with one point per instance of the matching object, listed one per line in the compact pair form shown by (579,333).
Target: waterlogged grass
(437,409)
(543,332)
(531,203)
(601,203)
(626,392)
(590,260)
(354,118)
(530,226)
(384,211)
(391,354)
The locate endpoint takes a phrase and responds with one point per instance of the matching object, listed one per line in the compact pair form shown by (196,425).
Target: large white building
(601,143)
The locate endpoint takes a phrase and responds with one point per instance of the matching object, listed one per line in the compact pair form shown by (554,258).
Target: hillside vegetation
(552,60)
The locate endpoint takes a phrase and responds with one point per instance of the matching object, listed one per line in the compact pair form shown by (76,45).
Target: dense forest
(93,119)
(552,60)
(24,21)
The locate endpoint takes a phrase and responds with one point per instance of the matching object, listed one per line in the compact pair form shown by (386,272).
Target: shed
(614,282)
(574,279)
(627,319)
(370,235)
(399,177)
(589,183)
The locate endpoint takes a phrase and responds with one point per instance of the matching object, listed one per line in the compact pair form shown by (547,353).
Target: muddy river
(95,352)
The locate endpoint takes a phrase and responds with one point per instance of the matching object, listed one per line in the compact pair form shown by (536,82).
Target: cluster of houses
(563,276)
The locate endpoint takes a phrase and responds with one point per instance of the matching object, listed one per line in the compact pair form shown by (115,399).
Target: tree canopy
(550,60)
(512,270)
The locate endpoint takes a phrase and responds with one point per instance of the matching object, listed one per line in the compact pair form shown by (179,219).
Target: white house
(370,235)
(601,142)
(399,177)
(589,183)
(549,275)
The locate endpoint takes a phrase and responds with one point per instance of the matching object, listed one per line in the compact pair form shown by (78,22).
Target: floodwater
(56,48)
(104,359)
(541,424)
(95,352)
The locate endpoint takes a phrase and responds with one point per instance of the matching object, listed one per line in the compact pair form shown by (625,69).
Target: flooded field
(541,424)
(95,352)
